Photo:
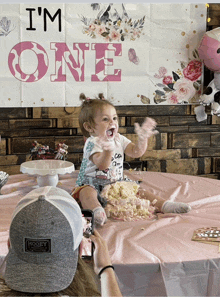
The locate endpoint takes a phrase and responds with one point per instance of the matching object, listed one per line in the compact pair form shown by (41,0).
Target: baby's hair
(83,97)
(88,110)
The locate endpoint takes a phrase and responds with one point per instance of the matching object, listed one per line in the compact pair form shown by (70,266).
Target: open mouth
(110,133)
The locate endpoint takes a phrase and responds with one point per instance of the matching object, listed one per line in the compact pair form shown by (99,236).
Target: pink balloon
(209,49)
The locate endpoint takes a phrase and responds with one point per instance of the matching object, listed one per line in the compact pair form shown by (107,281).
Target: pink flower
(92,27)
(193,70)
(162,72)
(167,80)
(136,33)
(100,30)
(115,35)
(107,39)
(172,98)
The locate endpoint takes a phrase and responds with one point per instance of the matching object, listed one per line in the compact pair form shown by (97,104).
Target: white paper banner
(132,53)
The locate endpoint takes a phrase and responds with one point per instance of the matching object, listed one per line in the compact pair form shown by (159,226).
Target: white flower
(184,91)
(114,35)
(100,29)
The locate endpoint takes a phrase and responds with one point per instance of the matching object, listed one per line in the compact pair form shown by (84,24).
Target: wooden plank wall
(183,145)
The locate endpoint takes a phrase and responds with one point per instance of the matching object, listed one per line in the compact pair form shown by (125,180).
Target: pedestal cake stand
(47,170)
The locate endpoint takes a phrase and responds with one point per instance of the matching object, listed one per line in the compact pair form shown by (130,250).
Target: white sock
(175,207)
(100,217)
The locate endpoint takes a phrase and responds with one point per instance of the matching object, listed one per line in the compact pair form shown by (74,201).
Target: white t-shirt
(115,170)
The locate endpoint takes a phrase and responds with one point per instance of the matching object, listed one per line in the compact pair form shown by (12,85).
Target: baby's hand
(146,130)
(106,144)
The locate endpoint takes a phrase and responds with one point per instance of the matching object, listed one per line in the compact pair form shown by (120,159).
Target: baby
(103,157)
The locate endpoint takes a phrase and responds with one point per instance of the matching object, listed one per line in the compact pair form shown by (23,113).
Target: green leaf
(197,53)
(158,99)
(161,85)
(194,55)
(175,76)
(160,93)
(183,65)
(171,86)
(145,99)
(167,90)
(105,34)
(196,86)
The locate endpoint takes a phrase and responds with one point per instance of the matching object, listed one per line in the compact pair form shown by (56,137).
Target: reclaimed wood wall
(183,145)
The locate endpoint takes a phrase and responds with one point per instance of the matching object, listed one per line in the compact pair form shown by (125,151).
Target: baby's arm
(103,159)
(136,150)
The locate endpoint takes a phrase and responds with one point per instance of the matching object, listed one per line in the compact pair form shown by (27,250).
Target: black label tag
(37,245)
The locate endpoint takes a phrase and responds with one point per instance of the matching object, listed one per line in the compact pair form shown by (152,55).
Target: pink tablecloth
(152,258)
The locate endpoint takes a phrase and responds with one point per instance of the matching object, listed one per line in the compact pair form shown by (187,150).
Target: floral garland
(182,86)
(117,29)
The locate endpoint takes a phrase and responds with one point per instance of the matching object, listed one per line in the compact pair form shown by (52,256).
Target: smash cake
(124,203)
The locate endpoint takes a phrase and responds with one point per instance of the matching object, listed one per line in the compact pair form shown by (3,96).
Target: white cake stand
(47,170)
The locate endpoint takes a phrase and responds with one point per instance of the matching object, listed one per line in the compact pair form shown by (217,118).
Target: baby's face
(106,122)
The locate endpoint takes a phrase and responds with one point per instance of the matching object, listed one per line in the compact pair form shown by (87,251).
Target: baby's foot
(175,207)
(99,216)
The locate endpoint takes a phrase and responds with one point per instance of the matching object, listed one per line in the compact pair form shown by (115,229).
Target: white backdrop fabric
(135,54)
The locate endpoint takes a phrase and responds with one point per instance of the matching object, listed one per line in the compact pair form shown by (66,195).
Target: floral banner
(135,54)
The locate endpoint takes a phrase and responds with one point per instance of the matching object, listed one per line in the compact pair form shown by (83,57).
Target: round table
(151,257)
(47,170)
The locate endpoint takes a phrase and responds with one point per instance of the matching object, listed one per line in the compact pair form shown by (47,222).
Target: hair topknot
(83,97)
(101,96)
